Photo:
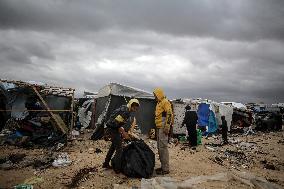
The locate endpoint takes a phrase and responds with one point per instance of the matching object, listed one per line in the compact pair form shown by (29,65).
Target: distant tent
(113,95)
(209,114)
(179,113)
(223,110)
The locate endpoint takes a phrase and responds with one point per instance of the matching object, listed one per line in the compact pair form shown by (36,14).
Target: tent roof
(50,90)
(122,90)
(235,105)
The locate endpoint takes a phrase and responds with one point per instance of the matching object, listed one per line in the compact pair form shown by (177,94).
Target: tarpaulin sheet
(122,90)
(212,123)
(203,114)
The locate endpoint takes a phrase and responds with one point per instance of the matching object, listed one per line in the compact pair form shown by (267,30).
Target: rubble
(62,160)
(37,115)
(81,175)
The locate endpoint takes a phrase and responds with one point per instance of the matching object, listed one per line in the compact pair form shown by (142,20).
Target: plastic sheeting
(179,112)
(226,111)
(212,123)
(248,179)
(85,113)
(121,90)
(145,115)
(203,114)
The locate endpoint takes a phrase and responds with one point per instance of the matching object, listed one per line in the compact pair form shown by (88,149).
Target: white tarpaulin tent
(117,89)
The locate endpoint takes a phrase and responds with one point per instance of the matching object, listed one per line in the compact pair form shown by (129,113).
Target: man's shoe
(161,172)
(158,169)
(106,166)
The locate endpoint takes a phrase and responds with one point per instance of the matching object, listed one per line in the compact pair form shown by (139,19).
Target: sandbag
(136,160)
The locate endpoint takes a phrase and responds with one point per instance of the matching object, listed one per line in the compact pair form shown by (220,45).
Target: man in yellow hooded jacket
(116,123)
(163,120)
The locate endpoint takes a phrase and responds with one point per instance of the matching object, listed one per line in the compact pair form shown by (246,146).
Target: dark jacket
(190,118)
(119,117)
(224,125)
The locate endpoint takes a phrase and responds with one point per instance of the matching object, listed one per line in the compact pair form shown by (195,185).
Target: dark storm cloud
(221,50)
(223,19)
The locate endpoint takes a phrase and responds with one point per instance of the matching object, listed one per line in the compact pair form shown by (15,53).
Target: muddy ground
(261,154)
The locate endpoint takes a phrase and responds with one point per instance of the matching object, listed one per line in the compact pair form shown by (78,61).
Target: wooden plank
(58,122)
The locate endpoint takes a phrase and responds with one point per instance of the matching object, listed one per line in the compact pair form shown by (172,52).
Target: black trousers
(116,146)
(225,135)
(192,135)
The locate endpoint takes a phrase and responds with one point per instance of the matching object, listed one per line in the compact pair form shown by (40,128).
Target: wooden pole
(59,123)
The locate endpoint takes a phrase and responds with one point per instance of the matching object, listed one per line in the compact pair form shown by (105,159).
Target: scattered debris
(210,148)
(16,158)
(62,160)
(80,175)
(268,165)
(30,120)
(10,161)
(42,163)
(24,186)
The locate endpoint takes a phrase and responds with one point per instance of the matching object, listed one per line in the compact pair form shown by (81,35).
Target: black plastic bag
(136,160)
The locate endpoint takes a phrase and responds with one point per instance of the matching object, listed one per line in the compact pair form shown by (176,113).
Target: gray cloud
(223,19)
(221,50)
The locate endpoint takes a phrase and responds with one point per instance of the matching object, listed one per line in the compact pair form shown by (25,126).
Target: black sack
(136,160)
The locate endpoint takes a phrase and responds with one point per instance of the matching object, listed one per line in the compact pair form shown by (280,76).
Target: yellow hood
(131,102)
(159,94)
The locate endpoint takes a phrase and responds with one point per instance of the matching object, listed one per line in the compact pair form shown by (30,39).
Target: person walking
(190,120)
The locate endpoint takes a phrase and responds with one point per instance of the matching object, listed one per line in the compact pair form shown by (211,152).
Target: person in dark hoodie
(116,124)
(224,128)
(190,120)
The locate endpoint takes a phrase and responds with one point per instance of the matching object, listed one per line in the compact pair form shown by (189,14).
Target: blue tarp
(206,118)
(203,114)
(212,126)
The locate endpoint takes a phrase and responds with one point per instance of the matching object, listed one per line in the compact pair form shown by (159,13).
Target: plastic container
(199,137)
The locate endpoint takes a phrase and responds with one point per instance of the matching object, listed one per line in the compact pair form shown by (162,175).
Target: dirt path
(267,151)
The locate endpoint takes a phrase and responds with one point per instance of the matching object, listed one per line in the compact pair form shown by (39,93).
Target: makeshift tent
(113,95)
(209,114)
(38,110)
(235,105)
(179,112)
(222,110)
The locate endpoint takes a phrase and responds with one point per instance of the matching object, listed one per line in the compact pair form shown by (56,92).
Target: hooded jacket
(163,110)
(120,116)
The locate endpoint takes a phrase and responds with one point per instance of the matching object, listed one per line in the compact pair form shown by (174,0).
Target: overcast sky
(223,50)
